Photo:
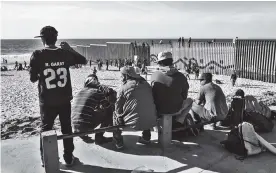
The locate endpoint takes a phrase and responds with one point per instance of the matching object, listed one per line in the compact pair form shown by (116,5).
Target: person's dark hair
(50,40)
(166,62)
(239,92)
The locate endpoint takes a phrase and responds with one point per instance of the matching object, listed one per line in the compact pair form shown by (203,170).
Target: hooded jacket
(170,89)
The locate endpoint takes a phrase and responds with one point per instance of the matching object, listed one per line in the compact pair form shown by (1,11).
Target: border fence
(252,59)
(255,59)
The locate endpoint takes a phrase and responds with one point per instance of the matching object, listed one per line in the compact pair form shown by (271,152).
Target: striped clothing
(90,106)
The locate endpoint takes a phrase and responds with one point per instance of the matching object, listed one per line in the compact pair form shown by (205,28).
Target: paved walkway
(202,154)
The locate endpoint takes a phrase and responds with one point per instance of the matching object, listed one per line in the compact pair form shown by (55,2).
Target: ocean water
(21,49)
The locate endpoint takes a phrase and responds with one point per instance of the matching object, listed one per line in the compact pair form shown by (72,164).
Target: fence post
(50,151)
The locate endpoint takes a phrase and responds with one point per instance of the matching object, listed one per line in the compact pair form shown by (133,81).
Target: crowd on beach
(137,104)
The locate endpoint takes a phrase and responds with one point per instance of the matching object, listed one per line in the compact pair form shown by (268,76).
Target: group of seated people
(139,104)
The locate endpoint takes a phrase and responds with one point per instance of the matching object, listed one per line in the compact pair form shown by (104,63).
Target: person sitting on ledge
(211,103)
(170,90)
(134,107)
(93,105)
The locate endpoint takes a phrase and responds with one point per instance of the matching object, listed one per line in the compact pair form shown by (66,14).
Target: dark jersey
(51,68)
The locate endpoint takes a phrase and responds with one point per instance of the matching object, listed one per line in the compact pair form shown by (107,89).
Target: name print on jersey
(54,64)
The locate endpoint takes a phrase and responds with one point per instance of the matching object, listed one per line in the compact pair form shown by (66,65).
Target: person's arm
(120,104)
(185,89)
(201,98)
(77,58)
(34,68)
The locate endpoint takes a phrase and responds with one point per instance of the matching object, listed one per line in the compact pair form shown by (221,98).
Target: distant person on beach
(183,42)
(99,65)
(95,71)
(93,105)
(25,65)
(106,63)
(20,67)
(152,43)
(90,63)
(120,64)
(50,66)
(134,107)
(170,42)
(170,90)
(16,65)
(196,72)
(211,102)
(235,40)
(179,41)
(189,42)
(233,78)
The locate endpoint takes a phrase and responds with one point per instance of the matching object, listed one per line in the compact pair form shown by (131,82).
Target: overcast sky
(21,20)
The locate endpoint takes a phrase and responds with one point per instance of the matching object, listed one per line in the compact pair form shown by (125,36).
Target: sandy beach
(20,115)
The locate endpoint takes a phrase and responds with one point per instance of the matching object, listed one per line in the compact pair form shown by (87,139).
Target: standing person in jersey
(50,67)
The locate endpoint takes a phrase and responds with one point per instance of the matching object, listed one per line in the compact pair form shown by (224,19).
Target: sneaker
(193,131)
(119,143)
(102,140)
(143,141)
(86,138)
(70,163)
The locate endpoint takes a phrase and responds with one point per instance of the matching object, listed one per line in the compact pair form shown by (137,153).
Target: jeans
(145,134)
(48,116)
(117,134)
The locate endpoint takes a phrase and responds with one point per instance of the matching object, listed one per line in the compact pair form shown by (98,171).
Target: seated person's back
(170,89)
(215,100)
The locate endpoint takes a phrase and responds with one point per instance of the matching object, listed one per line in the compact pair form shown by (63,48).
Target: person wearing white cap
(134,106)
(170,90)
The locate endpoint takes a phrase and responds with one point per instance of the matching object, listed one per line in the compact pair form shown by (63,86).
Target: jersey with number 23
(51,68)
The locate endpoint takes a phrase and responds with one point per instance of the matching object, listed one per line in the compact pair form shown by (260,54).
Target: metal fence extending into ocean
(252,59)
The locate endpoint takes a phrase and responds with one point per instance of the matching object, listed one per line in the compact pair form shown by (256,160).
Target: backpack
(243,141)
(235,143)
(234,116)
(259,121)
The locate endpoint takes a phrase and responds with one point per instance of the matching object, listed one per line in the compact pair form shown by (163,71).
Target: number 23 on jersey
(60,72)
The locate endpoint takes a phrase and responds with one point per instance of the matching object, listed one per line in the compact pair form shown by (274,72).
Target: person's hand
(65,46)
(120,121)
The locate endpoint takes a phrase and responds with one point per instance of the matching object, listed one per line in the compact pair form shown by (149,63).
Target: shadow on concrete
(85,168)
(197,154)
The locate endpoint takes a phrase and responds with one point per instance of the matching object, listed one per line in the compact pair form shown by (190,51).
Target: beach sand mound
(20,115)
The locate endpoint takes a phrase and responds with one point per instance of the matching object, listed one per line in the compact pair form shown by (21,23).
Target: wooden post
(50,151)
(165,131)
